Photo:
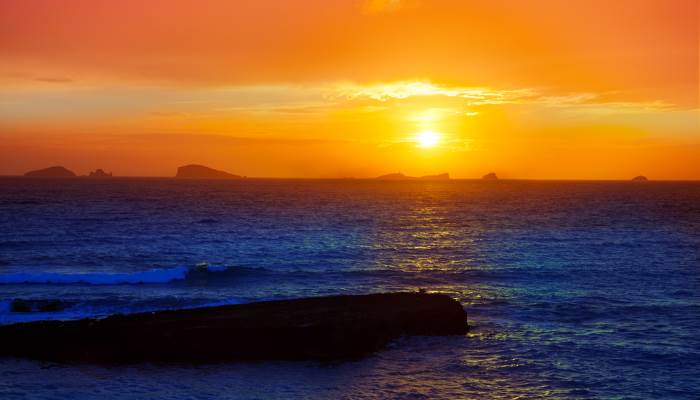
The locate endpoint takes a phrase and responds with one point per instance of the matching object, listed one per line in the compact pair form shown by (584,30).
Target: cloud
(590,103)
(601,104)
(406,89)
(168,114)
(56,79)
(158,139)
(304,102)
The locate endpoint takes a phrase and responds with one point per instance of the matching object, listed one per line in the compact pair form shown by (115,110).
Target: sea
(573,289)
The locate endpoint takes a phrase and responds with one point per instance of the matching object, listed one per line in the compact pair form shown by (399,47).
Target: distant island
(398,176)
(439,177)
(51,172)
(490,177)
(194,171)
(640,178)
(99,173)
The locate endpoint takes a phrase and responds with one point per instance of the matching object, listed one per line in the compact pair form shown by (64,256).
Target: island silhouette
(99,173)
(398,176)
(640,178)
(491,176)
(195,171)
(51,172)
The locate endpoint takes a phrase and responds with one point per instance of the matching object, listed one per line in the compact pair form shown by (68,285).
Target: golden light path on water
(423,238)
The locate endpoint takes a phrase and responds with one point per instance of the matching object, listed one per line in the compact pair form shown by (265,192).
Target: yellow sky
(543,89)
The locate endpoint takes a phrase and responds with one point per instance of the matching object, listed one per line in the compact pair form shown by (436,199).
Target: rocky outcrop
(99,173)
(491,176)
(28,306)
(321,328)
(51,172)
(398,176)
(640,178)
(194,171)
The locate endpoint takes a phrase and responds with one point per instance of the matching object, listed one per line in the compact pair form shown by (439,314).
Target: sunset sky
(540,89)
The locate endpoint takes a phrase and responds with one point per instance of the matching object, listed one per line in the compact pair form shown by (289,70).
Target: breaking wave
(153,276)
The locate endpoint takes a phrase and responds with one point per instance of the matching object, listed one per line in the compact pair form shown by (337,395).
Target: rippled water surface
(573,289)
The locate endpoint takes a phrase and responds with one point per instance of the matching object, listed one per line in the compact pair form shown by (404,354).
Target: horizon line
(242,177)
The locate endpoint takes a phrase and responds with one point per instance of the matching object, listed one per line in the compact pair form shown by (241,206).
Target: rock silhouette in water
(194,171)
(51,172)
(99,173)
(398,176)
(640,178)
(321,328)
(490,177)
(27,306)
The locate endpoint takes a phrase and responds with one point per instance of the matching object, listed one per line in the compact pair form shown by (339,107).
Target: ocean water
(574,290)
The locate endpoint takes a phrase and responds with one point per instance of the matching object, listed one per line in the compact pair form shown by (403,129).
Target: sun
(427,139)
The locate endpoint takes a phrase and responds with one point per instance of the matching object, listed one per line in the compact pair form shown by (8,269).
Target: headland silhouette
(195,171)
(51,172)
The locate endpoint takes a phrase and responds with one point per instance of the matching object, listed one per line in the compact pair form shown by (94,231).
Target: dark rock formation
(490,177)
(321,328)
(640,178)
(51,172)
(194,171)
(398,176)
(26,306)
(99,173)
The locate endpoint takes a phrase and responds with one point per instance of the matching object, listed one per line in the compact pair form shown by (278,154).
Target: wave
(211,273)
(153,276)
(163,275)
(78,309)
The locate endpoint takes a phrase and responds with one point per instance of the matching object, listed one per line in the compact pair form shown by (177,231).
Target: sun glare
(427,139)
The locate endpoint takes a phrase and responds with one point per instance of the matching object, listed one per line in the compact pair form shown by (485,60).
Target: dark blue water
(573,289)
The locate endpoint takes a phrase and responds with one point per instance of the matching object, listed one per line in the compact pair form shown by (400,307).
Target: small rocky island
(491,176)
(99,173)
(51,172)
(194,171)
(398,176)
(438,177)
(316,328)
(640,178)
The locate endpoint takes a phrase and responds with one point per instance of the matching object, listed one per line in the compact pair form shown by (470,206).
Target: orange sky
(589,89)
